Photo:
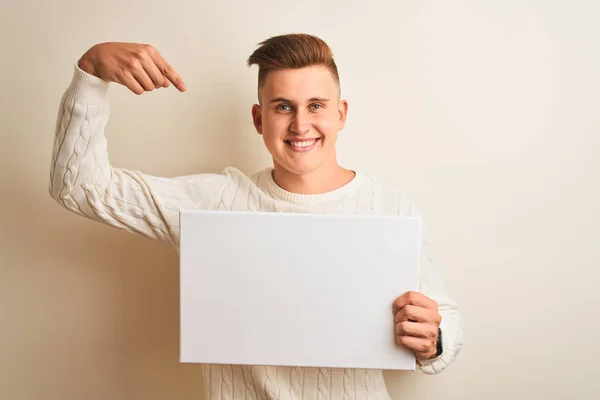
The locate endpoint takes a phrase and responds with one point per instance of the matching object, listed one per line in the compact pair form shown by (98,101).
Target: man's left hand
(417,320)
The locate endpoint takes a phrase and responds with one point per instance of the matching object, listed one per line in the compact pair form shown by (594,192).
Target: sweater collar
(268,185)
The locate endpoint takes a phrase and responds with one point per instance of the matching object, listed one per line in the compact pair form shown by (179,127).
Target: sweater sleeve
(432,285)
(83,181)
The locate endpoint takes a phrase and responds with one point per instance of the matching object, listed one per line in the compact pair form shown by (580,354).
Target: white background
(486,111)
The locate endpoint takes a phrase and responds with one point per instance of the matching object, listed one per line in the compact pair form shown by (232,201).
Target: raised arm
(82,179)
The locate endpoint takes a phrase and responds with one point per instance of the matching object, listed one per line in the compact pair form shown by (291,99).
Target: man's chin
(295,169)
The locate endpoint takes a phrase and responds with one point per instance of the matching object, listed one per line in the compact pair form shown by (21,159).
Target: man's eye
(283,107)
(316,106)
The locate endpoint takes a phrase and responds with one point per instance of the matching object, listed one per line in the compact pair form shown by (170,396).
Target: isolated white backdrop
(487,112)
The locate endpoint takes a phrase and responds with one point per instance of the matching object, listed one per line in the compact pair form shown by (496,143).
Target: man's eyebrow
(280,100)
(284,100)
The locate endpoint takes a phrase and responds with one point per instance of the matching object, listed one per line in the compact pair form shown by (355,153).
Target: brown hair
(294,50)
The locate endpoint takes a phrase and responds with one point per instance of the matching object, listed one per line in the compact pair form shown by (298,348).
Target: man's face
(299,118)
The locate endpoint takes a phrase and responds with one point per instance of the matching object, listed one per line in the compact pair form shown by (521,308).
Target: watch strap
(440,344)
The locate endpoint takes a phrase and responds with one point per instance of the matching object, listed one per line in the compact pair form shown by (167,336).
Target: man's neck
(322,180)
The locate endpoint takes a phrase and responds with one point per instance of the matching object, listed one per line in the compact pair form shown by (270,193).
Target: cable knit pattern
(83,181)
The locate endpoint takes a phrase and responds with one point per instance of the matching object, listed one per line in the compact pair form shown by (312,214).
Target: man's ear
(257,118)
(343,113)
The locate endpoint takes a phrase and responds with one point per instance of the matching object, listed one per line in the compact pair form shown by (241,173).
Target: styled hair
(292,51)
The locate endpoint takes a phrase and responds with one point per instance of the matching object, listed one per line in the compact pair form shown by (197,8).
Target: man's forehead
(299,85)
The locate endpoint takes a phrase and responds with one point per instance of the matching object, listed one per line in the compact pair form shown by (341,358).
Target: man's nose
(300,124)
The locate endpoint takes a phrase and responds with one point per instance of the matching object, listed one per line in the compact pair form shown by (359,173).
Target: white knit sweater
(83,181)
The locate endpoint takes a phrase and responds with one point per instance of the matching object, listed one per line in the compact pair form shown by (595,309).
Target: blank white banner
(295,289)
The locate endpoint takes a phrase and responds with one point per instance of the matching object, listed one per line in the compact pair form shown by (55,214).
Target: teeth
(303,144)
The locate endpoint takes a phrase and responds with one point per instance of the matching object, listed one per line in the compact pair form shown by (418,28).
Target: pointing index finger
(168,71)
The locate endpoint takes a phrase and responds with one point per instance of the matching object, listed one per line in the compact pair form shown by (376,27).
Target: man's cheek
(325,125)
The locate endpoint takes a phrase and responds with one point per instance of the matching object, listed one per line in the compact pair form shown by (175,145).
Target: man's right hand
(139,67)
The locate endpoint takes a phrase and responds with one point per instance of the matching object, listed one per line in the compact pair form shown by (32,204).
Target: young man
(299,114)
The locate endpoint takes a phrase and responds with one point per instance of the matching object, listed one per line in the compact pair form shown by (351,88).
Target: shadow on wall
(205,129)
(93,309)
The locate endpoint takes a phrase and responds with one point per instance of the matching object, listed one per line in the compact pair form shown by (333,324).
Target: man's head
(299,111)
